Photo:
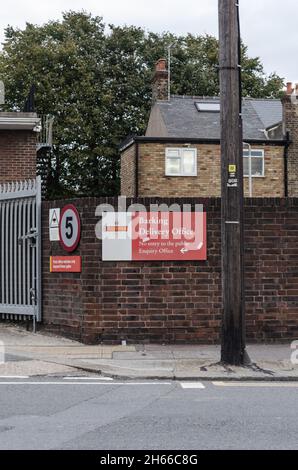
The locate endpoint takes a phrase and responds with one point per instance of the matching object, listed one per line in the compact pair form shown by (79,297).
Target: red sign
(170,236)
(65,264)
(155,236)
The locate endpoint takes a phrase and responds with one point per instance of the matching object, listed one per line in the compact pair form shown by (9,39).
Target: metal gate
(20,250)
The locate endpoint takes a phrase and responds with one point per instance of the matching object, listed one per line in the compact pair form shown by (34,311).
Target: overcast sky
(269,27)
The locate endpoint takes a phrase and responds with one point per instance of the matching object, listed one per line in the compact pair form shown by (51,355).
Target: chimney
(289,88)
(290,129)
(160,81)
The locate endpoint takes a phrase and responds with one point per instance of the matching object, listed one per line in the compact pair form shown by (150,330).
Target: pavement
(23,353)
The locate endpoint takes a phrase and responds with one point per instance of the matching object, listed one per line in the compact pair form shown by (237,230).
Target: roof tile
(182,119)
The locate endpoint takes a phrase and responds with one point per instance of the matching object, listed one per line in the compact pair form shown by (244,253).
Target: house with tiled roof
(179,155)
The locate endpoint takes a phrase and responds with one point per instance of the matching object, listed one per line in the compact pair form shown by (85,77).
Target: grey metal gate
(20,250)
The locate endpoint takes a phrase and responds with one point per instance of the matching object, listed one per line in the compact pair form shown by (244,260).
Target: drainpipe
(249,168)
(286,153)
(137,170)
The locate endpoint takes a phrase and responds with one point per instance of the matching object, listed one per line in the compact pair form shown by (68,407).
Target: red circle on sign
(74,243)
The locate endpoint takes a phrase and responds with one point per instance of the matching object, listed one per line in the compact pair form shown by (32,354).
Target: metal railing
(20,255)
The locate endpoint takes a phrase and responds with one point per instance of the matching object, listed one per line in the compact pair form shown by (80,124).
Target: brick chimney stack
(160,81)
(289,88)
(290,126)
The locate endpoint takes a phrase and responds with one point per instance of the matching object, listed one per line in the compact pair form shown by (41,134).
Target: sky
(269,28)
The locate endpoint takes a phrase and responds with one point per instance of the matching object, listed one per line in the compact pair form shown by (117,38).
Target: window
(208,107)
(257,163)
(181,162)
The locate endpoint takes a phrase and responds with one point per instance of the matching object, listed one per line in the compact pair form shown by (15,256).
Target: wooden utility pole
(233,325)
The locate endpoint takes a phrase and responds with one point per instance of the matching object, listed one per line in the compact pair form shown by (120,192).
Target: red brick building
(18,146)
(179,156)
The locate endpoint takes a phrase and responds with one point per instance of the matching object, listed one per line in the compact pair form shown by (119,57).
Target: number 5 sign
(69,228)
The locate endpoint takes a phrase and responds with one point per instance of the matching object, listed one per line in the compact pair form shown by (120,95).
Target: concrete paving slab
(33,368)
(185,362)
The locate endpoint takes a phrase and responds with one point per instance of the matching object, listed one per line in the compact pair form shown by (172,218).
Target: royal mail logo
(116,228)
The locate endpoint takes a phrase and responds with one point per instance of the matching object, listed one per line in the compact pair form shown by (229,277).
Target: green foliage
(96,82)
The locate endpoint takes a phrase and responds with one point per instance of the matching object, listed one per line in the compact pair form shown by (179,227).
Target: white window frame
(246,155)
(180,151)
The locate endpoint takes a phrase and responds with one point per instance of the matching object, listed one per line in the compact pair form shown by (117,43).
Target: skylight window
(208,107)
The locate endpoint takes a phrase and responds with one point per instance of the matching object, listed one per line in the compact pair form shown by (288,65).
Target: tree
(64,61)
(97,84)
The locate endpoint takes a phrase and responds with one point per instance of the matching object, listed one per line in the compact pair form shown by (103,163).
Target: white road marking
(256,384)
(192,385)
(85,383)
(14,376)
(89,378)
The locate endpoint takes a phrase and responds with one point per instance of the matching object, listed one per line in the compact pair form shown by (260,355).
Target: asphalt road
(64,413)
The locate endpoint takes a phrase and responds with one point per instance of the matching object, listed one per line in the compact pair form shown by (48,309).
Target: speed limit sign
(69,228)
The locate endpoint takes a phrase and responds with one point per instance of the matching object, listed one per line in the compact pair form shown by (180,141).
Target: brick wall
(17,155)
(152,179)
(176,301)
(128,171)
(290,110)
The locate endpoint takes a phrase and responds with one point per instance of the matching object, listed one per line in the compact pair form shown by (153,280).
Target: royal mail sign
(154,236)
(65,264)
